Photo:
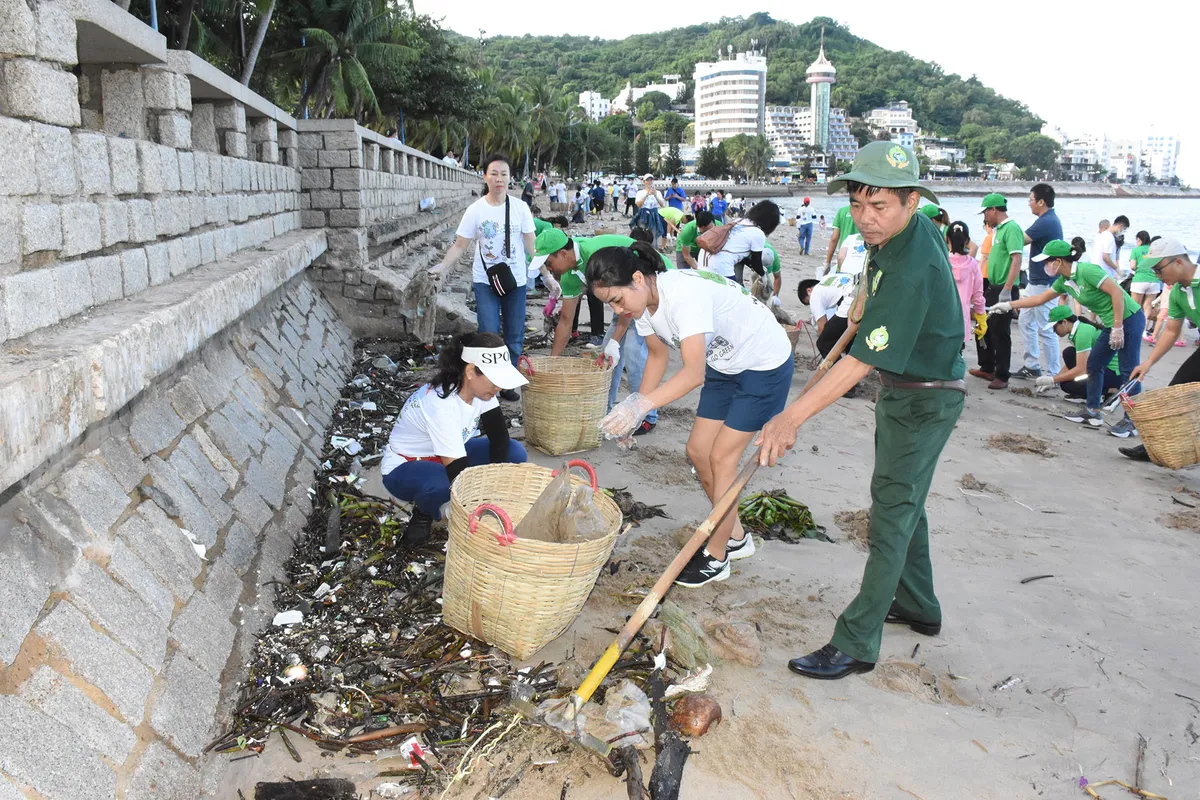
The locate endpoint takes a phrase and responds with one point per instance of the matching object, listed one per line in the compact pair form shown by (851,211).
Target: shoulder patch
(878,339)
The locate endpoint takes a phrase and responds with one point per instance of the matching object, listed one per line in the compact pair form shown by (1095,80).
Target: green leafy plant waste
(775,515)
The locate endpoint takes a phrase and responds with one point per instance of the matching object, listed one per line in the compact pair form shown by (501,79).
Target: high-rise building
(1162,155)
(791,130)
(821,77)
(595,105)
(842,144)
(1125,160)
(731,97)
(894,119)
(783,132)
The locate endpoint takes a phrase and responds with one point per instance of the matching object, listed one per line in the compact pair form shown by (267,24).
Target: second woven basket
(564,402)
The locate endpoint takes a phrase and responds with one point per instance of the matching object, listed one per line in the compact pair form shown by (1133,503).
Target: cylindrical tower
(821,76)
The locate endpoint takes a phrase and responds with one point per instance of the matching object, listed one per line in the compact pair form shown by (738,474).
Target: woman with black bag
(503,233)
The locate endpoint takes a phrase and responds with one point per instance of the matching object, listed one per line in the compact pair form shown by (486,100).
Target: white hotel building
(731,98)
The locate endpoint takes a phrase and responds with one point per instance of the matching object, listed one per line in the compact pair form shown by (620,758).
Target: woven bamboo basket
(1168,420)
(513,593)
(564,402)
(793,334)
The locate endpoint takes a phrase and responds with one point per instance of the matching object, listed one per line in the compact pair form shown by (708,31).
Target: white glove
(1116,338)
(775,301)
(612,350)
(1043,383)
(626,416)
(1003,307)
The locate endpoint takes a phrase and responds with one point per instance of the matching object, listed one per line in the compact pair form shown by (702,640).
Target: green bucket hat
(886,165)
(993,200)
(546,244)
(1055,248)
(1059,313)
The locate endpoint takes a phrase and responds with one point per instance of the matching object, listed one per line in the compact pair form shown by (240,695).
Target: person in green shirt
(1170,263)
(1143,286)
(938,216)
(911,330)
(1096,291)
(685,244)
(673,218)
(1003,268)
(843,226)
(1071,377)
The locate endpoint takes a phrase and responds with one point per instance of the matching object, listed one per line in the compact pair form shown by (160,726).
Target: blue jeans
(492,309)
(1038,333)
(633,364)
(1128,357)
(426,484)
(805,237)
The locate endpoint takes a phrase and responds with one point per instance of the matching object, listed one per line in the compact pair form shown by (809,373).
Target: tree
(673,165)
(1035,151)
(660,101)
(641,155)
(720,162)
(861,133)
(646,111)
(259,35)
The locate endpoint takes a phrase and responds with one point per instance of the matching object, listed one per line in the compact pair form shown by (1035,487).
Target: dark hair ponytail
(450,365)
(958,237)
(1078,248)
(614,266)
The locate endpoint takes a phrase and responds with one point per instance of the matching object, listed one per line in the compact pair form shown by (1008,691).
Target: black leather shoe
(1136,453)
(925,628)
(828,664)
(416,533)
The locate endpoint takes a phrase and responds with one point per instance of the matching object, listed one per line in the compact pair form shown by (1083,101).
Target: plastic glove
(775,301)
(1003,307)
(626,416)
(980,324)
(1043,383)
(612,351)
(550,307)
(1116,338)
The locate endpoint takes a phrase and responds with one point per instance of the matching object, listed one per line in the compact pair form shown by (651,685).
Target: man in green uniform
(686,249)
(911,331)
(843,227)
(1171,264)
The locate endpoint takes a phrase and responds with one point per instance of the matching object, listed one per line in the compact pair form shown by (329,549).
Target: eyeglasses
(1158,268)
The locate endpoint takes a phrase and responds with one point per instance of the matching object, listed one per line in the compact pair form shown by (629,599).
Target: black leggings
(1189,371)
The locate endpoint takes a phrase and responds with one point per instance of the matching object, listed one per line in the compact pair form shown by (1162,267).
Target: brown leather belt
(897,382)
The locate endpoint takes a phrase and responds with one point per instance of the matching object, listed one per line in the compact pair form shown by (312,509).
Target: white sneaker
(740,548)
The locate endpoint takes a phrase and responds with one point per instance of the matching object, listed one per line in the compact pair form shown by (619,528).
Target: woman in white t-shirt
(746,242)
(650,200)
(503,232)
(731,345)
(438,433)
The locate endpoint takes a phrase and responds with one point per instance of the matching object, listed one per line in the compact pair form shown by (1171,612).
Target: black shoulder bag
(500,274)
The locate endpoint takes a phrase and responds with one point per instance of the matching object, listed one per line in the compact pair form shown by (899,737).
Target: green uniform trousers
(912,427)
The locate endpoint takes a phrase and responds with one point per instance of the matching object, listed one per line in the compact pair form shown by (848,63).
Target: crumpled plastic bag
(542,522)
(582,520)
(628,708)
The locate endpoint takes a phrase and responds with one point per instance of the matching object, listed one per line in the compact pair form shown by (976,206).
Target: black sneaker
(1027,374)
(416,533)
(1137,453)
(702,569)
(644,428)
(509,395)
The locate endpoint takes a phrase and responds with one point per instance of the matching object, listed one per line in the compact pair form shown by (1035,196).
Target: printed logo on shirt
(878,339)
(489,228)
(719,348)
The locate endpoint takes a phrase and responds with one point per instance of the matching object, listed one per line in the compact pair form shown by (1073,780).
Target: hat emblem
(897,157)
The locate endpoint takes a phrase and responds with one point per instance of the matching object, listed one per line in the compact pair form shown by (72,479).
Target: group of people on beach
(903,290)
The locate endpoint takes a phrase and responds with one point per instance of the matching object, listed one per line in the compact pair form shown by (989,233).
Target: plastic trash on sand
(542,522)
(582,521)
(628,708)
(428,203)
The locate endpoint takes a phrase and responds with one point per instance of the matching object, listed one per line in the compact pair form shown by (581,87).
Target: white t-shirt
(856,255)
(740,332)
(742,240)
(652,199)
(805,216)
(631,190)
(432,425)
(450,161)
(484,223)
(1105,242)
(832,297)
(560,191)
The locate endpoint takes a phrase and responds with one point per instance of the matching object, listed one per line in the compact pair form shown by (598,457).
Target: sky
(1106,67)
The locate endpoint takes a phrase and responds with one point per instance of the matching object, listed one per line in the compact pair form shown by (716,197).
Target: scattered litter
(391,790)
(1007,683)
(428,204)
(694,714)
(633,510)
(300,415)
(694,682)
(292,617)
(1035,578)
(200,549)
(685,642)
(350,447)
(386,365)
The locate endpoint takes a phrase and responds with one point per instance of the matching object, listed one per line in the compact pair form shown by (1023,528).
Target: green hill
(868,75)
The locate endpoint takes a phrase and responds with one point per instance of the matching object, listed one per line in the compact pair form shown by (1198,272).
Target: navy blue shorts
(748,400)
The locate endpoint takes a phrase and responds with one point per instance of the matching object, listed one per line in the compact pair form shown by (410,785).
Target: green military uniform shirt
(1181,302)
(1084,285)
(574,282)
(1083,337)
(912,324)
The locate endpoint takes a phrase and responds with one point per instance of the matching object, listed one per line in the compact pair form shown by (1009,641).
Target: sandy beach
(1028,687)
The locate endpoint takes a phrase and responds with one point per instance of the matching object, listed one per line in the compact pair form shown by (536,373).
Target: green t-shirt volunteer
(671,215)
(773,267)
(540,225)
(1007,239)
(574,282)
(912,323)
(687,238)
(1084,286)
(1141,274)
(844,223)
(1181,302)
(1083,336)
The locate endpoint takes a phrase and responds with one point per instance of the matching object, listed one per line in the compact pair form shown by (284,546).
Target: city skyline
(1120,90)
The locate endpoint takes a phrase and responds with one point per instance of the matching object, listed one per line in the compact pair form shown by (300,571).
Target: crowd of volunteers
(904,290)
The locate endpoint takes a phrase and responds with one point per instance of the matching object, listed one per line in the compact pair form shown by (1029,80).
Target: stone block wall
(134,566)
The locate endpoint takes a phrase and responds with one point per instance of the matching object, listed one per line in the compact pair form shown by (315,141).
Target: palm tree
(757,156)
(345,40)
(736,147)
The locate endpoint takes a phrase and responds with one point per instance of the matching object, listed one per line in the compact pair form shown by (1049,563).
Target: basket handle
(505,537)
(586,467)
(528,365)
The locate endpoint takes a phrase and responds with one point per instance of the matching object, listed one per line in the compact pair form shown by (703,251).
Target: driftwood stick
(671,752)
(633,773)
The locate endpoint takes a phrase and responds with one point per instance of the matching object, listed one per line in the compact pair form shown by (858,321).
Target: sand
(1102,650)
